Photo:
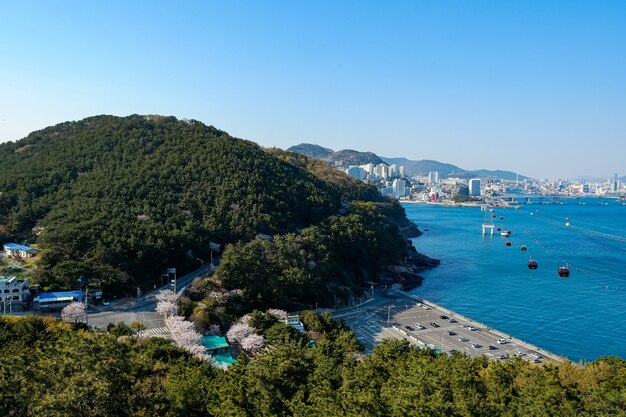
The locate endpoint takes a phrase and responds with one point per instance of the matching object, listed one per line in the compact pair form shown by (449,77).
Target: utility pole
(87,304)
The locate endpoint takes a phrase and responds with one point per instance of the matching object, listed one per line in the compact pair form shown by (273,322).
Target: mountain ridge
(412,167)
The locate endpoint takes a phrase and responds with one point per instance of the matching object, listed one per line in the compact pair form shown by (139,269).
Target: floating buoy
(501,218)
(508,243)
(523,248)
(567,218)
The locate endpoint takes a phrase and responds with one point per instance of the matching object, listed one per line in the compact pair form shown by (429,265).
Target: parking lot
(426,325)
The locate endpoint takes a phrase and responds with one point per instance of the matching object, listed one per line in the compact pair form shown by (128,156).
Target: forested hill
(119,198)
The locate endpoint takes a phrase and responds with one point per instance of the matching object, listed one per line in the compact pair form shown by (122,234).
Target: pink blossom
(73,312)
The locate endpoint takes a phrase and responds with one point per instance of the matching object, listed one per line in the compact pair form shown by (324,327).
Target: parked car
(463,339)
(432,323)
(491,347)
(420,326)
(409,328)
(443,317)
(451,333)
(501,356)
(472,328)
(476,345)
(503,341)
(451,320)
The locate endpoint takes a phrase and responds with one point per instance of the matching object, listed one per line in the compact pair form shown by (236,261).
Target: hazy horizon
(537,88)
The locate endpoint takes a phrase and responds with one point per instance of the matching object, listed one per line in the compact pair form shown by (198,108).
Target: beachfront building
(14,250)
(474,187)
(433,177)
(13,294)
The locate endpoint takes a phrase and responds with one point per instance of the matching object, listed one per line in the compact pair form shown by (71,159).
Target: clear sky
(535,87)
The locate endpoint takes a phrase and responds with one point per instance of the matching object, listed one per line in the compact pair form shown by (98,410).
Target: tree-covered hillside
(49,369)
(119,198)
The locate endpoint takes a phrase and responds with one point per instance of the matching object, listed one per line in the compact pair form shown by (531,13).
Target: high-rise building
(356,172)
(433,177)
(384,171)
(474,187)
(399,188)
(402,171)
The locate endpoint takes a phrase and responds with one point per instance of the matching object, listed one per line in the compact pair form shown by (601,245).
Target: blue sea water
(582,317)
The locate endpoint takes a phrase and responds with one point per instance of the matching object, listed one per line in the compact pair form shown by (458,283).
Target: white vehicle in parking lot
(502,341)
(463,339)
(535,355)
(420,326)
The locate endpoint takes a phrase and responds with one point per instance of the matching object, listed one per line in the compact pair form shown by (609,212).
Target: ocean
(582,317)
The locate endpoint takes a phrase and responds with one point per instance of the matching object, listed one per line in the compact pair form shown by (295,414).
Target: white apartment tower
(474,187)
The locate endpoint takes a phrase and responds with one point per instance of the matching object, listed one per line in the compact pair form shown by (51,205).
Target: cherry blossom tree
(253,343)
(73,312)
(279,314)
(238,332)
(166,303)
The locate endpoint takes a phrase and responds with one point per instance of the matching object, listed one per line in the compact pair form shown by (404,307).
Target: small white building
(294,321)
(14,250)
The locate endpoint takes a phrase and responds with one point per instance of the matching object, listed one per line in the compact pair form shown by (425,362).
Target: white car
(476,345)
(463,339)
(425,307)
(503,341)
(535,355)
(420,326)
(519,353)
(472,328)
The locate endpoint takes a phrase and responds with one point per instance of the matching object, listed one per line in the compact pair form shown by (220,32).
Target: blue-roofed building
(15,250)
(218,347)
(49,301)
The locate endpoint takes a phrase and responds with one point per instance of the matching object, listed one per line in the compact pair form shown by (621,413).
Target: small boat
(508,243)
(498,229)
(501,218)
(564,271)
(523,248)
(505,234)
(509,232)
(532,264)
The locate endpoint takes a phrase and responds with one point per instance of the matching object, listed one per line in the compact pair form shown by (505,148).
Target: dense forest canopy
(104,375)
(118,199)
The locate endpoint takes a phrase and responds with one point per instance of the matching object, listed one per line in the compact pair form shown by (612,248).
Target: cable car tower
(487,220)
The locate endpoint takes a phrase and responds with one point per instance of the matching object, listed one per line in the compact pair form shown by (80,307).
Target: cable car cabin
(563,271)
(508,243)
(532,264)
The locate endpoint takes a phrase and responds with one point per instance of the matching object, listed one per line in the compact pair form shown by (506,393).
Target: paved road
(400,317)
(142,309)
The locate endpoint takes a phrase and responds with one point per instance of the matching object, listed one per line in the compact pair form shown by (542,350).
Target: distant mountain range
(347,157)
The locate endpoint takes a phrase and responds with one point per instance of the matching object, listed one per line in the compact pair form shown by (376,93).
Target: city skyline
(534,88)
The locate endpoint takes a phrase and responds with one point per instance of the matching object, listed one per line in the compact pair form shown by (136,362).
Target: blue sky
(536,87)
